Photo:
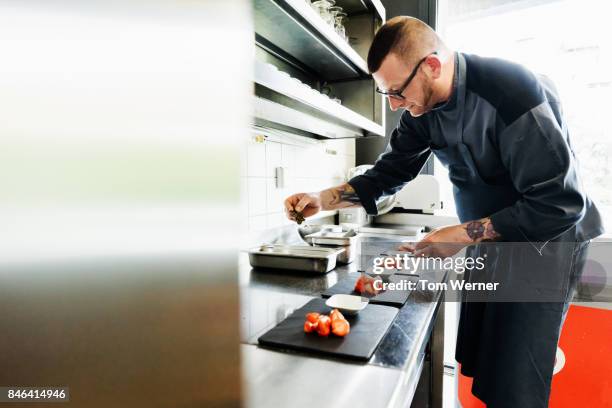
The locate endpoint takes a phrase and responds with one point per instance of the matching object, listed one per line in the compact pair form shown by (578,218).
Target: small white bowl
(347,304)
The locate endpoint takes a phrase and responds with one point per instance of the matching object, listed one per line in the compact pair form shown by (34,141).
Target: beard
(428,103)
(428,95)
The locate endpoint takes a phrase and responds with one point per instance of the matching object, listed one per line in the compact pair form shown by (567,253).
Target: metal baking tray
(346,240)
(325,237)
(295,257)
(348,254)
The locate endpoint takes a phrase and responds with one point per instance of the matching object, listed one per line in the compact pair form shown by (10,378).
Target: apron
(508,348)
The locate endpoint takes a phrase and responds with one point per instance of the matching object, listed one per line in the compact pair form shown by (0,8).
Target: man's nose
(394,103)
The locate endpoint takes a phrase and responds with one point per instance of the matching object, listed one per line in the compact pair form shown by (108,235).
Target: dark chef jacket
(509,124)
(505,142)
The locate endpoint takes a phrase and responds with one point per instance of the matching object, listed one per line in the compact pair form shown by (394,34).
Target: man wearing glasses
(500,131)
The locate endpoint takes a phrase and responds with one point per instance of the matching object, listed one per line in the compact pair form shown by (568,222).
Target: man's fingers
(422,243)
(426,251)
(290,215)
(289,204)
(304,201)
(419,252)
(408,247)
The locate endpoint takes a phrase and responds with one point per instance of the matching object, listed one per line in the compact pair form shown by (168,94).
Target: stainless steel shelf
(295,29)
(306,109)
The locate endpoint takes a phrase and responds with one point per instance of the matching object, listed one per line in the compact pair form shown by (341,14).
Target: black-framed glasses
(397,94)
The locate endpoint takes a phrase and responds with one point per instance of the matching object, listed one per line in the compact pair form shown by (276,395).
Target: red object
(360,284)
(365,284)
(340,327)
(586,378)
(465,392)
(313,317)
(324,325)
(336,315)
(309,326)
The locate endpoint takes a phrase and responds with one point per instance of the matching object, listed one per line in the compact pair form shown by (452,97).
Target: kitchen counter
(286,378)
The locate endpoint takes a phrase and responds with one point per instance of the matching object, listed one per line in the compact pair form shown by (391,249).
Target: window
(568,41)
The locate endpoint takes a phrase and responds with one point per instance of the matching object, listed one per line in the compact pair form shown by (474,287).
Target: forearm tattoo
(349,194)
(481,230)
(344,193)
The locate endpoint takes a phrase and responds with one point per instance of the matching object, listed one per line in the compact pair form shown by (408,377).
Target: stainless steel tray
(344,238)
(295,257)
(347,254)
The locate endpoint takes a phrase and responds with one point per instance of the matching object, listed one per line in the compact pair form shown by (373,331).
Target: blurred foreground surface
(118,186)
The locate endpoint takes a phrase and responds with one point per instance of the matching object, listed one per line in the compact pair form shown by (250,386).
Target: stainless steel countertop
(285,378)
(276,379)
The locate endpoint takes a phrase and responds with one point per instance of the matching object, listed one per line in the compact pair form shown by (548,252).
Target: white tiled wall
(309,165)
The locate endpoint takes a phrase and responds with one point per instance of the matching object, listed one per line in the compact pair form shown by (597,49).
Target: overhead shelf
(360,6)
(303,100)
(292,28)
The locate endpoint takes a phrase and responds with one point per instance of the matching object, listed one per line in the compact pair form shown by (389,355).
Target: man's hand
(447,241)
(440,243)
(307,203)
(342,196)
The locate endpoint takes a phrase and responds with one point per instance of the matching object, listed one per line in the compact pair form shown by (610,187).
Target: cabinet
(310,80)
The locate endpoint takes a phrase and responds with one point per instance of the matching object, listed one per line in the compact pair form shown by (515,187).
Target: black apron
(507,347)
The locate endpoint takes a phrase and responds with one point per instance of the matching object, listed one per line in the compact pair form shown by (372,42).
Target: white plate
(347,304)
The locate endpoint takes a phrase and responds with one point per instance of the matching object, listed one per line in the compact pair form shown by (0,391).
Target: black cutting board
(368,328)
(395,298)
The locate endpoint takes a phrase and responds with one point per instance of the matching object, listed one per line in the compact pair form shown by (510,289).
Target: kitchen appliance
(395,298)
(354,217)
(421,194)
(367,330)
(409,212)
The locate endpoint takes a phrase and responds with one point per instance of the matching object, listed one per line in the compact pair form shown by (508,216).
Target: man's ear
(435,66)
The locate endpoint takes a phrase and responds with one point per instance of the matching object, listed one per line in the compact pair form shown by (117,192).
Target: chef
(500,131)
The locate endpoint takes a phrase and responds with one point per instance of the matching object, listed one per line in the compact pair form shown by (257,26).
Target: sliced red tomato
(309,326)
(312,317)
(376,285)
(360,284)
(340,327)
(324,325)
(365,285)
(335,314)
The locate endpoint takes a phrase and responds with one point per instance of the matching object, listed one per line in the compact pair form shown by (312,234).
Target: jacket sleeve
(402,160)
(543,169)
